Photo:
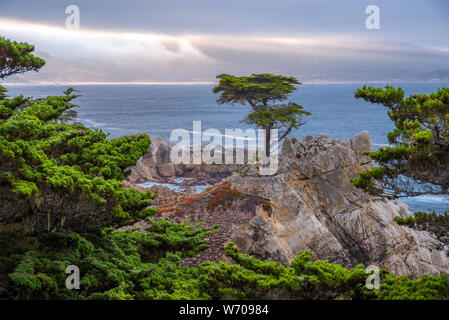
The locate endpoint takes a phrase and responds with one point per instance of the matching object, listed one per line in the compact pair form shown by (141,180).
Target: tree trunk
(267,142)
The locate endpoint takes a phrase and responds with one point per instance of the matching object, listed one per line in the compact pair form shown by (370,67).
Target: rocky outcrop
(156,165)
(313,206)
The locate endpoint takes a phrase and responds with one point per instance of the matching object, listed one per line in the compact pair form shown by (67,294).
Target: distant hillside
(437,75)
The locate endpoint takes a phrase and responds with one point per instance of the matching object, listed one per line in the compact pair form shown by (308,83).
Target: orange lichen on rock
(168,207)
(222,195)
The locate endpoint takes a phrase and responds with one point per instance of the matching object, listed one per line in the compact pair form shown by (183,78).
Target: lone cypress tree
(267,95)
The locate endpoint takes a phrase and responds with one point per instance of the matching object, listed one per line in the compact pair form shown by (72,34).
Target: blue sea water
(158,109)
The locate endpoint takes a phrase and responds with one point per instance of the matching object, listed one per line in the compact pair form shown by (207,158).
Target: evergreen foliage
(3,94)
(131,264)
(17,57)
(416,162)
(40,155)
(113,264)
(265,93)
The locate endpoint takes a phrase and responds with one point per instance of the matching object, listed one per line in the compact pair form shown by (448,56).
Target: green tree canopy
(267,95)
(3,94)
(17,57)
(417,161)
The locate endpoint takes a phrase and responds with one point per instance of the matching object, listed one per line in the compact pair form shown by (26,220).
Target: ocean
(124,109)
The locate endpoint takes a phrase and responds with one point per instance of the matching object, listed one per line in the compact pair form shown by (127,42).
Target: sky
(194,40)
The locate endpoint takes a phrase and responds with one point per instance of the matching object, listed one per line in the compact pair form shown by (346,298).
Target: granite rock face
(313,206)
(154,164)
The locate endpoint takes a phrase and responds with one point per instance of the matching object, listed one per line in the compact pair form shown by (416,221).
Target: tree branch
(286,133)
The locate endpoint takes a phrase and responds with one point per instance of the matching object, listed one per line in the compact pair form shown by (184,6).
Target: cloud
(95,55)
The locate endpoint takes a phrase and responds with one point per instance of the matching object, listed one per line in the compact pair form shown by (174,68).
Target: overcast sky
(182,40)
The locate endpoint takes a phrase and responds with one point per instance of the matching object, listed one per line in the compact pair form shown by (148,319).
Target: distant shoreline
(54,83)
(187,83)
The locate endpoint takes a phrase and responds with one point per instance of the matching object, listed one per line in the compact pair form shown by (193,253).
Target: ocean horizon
(211,82)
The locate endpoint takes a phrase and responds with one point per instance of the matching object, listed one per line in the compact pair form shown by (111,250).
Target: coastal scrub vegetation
(131,264)
(56,175)
(62,203)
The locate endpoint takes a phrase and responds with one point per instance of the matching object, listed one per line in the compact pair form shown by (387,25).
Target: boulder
(166,170)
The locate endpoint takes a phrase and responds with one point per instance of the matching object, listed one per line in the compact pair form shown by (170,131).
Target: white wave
(150,184)
(181,180)
(174,187)
(381,145)
(428,199)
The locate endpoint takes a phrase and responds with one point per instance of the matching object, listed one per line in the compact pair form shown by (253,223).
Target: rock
(156,165)
(308,204)
(360,143)
(164,194)
(166,170)
(146,168)
(128,184)
(314,206)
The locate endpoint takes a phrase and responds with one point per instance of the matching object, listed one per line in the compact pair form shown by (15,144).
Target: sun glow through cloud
(158,45)
(98,56)
(94,41)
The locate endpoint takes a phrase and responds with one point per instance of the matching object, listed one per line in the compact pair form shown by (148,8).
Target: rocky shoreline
(309,204)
